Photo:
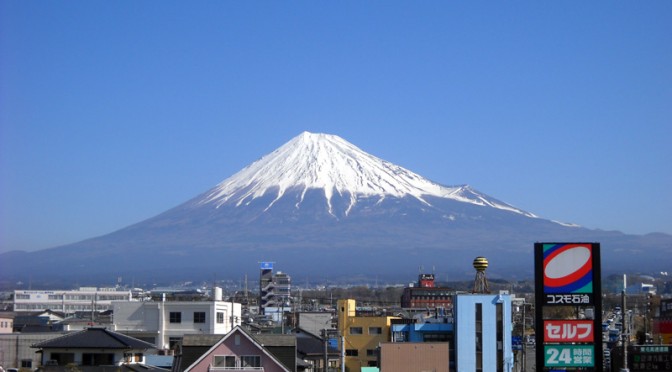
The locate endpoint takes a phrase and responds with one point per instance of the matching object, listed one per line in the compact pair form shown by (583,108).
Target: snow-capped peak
(327,162)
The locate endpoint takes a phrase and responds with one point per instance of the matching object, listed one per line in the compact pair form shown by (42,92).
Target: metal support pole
(624,327)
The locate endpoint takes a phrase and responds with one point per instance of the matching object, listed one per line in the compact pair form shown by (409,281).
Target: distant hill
(323,209)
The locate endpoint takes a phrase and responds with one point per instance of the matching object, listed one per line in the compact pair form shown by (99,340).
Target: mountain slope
(322,208)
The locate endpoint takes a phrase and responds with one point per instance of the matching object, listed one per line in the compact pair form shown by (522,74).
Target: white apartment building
(163,323)
(68,301)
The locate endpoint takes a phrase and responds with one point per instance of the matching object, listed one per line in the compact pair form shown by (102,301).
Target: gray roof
(200,340)
(270,339)
(95,338)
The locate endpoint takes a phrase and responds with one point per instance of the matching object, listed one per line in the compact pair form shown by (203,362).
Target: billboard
(568,272)
(568,275)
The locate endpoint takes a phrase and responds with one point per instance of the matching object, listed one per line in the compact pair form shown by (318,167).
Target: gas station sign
(568,331)
(568,275)
(569,356)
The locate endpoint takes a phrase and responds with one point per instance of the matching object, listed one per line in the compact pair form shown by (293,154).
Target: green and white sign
(569,356)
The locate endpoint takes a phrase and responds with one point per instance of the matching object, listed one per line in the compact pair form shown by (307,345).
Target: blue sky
(112,112)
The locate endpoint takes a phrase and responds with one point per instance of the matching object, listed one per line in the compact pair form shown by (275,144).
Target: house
(313,350)
(93,347)
(236,350)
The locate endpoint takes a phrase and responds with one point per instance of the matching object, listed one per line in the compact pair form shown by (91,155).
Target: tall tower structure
(481,282)
(265,285)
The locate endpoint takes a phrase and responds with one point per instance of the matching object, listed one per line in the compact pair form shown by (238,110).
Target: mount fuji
(323,209)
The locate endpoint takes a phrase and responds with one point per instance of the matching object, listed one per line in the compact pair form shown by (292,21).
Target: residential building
(68,301)
(164,323)
(313,349)
(274,289)
(93,347)
(237,350)
(361,335)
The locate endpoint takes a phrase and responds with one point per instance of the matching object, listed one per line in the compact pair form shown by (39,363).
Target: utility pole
(624,327)
(523,338)
(326,350)
(343,354)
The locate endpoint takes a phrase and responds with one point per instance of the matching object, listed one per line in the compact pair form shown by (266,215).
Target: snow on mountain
(329,163)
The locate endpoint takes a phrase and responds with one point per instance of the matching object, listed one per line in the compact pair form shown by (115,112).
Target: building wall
(416,332)
(415,357)
(314,322)
(364,344)
(144,320)
(6,324)
(465,332)
(15,347)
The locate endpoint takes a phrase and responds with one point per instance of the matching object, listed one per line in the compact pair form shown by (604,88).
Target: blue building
(483,329)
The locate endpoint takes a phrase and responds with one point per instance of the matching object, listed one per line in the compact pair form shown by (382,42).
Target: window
(97,359)
(479,337)
(375,330)
(175,317)
(224,361)
(355,330)
(199,317)
(250,361)
(371,352)
(22,297)
(351,352)
(220,317)
(26,363)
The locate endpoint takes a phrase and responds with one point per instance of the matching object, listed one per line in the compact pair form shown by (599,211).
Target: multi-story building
(426,295)
(361,335)
(274,290)
(68,301)
(164,323)
(483,332)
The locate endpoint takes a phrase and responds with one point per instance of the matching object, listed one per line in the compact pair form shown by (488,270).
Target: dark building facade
(427,295)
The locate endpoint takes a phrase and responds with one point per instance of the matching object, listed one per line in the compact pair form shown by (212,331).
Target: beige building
(361,335)
(6,322)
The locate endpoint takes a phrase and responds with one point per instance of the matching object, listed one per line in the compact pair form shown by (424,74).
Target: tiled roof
(95,338)
(200,340)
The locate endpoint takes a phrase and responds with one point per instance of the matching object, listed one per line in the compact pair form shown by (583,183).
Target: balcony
(241,369)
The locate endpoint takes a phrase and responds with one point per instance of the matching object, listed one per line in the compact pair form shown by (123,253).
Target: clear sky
(114,111)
